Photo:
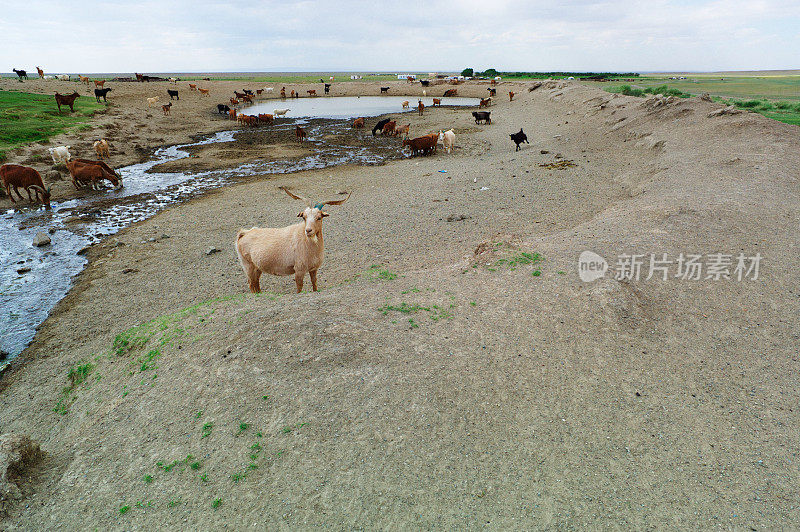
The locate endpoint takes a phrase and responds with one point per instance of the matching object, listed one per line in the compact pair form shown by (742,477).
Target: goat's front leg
(298,279)
(313,274)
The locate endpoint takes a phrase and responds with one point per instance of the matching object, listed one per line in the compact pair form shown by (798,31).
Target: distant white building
(355,76)
(406,76)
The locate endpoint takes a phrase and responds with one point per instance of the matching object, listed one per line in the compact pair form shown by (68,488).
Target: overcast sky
(80,36)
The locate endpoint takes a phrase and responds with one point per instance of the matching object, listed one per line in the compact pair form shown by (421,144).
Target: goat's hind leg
(313,274)
(253,276)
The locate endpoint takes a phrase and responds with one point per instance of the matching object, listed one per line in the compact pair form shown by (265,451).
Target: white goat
(294,250)
(280,112)
(60,154)
(269,89)
(152,101)
(447,139)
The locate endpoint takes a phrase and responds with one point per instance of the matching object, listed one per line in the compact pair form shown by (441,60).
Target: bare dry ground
(438,380)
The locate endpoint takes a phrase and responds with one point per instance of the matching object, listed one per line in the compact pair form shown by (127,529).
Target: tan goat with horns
(294,250)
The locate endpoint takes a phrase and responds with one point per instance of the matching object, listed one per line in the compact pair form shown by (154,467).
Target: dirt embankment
(454,371)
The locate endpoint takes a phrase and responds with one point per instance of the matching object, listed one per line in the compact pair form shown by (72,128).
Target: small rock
(41,239)
(543,152)
(53,175)
(164,236)
(52,230)
(130,270)
(705,97)
(457,217)
(559,156)
(730,110)
(212,250)
(151,239)
(3,354)
(24,269)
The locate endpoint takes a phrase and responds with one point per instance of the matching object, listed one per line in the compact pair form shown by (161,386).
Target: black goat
(519,138)
(379,125)
(484,116)
(249,93)
(327,88)
(222,108)
(20,74)
(101,92)
(384,90)
(173,94)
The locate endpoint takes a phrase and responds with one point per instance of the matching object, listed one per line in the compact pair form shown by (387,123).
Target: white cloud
(367,35)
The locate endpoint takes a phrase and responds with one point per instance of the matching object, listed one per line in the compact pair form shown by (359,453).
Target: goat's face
(313,221)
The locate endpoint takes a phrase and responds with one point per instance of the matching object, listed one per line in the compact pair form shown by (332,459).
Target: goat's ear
(300,214)
(324,214)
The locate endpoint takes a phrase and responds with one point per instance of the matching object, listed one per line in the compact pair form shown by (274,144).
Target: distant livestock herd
(294,250)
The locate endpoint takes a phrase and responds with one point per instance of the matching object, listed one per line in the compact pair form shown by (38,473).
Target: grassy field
(776,97)
(27,118)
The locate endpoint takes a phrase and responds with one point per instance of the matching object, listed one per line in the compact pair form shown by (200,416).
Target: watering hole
(350,106)
(34,279)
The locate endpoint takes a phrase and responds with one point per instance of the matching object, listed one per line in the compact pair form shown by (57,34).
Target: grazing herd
(295,250)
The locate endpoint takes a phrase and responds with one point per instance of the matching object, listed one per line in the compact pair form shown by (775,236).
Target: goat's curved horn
(301,198)
(334,202)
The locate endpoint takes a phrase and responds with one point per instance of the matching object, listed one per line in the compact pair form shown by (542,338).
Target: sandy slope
(513,401)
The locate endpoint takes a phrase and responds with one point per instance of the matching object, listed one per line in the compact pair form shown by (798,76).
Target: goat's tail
(239,236)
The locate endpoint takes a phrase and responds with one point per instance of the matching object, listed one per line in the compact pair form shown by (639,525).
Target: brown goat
(68,99)
(388,128)
(84,171)
(14,176)
(358,122)
(300,133)
(425,144)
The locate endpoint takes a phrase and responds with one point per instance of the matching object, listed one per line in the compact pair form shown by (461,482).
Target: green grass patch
(166,329)
(26,118)
(776,97)
(518,259)
(377,272)
(435,312)
(783,111)
(76,376)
